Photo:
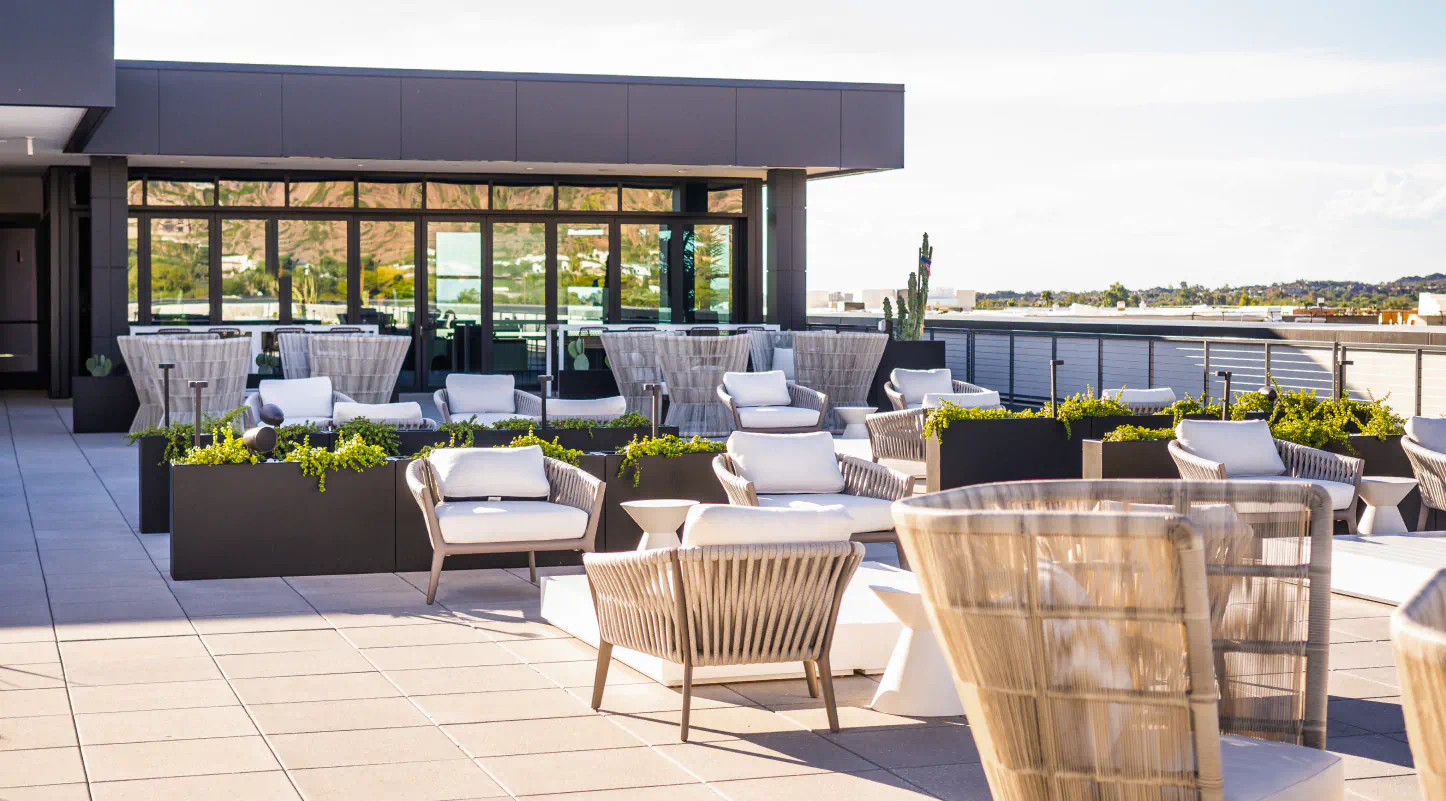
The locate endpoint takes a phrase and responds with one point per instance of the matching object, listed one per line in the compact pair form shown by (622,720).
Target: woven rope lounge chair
(693,367)
(1425,447)
(363,366)
(841,366)
(769,402)
(221,363)
(633,357)
(1418,630)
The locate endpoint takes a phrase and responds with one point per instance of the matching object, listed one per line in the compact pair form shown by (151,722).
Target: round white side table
(659,520)
(917,682)
(1382,494)
(853,417)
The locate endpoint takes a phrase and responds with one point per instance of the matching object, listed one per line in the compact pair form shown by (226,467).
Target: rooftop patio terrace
(118,683)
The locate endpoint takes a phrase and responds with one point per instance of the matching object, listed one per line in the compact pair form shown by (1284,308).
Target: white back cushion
(489,472)
(757,389)
(1429,431)
(720,524)
(298,397)
(346,412)
(781,464)
(586,407)
(1245,447)
(965,400)
(480,393)
(783,360)
(1126,395)
(915,384)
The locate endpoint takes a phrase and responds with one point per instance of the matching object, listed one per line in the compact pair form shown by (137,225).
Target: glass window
(253,193)
(645,273)
(135,191)
(519,298)
(249,292)
(646,199)
(587,198)
(133,269)
(180,270)
(323,194)
(708,258)
(312,255)
(180,193)
(389,196)
(527,198)
(389,266)
(441,195)
(454,299)
(582,272)
(725,201)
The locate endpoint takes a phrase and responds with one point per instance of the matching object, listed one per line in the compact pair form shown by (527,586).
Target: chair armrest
(1305,462)
(806,398)
(253,409)
(1430,469)
(730,405)
(896,398)
(1195,468)
(338,397)
(526,403)
(964,387)
(575,487)
(636,598)
(739,489)
(424,492)
(439,399)
(897,435)
(873,480)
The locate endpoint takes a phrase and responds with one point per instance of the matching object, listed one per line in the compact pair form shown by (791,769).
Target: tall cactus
(910,325)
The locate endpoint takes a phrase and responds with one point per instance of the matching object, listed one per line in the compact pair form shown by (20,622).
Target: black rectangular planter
(924,354)
(587,440)
(1140,459)
(251,521)
(981,451)
(586,384)
(103,404)
(687,476)
(155,484)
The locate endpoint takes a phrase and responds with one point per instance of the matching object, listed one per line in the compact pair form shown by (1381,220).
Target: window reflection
(454,299)
(133,269)
(180,193)
(442,195)
(322,194)
(526,198)
(135,191)
(519,299)
(388,270)
(253,193)
(645,291)
(587,198)
(180,270)
(249,292)
(708,273)
(389,195)
(647,199)
(725,201)
(313,255)
(582,270)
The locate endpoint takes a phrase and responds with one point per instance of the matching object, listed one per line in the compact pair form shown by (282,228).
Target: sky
(1049,145)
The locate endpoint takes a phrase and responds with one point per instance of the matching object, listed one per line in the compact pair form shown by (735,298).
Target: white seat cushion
(559,408)
(1341,494)
(346,412)
(786,463)
(482,473)
(480,393)
(964,400)
(1126,395)
(473,522)
(487,419)
(915,384)
(777,416)
(783,362)
(1260,770)
(1430,432)
(719,524)
(1245,447)
(298,397)
(866,514)
(757,389)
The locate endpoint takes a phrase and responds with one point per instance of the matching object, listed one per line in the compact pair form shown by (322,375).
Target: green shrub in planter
(1139,434)
(180,436)
(1190,405)
(939,419)
(552,449)
(225,448)
(378,434)
(1081,405)
(668,447)
(353,453)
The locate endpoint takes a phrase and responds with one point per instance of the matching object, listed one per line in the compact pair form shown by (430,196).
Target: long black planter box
(924,354)
(981,451)
(689,475)
(587,440)
(103,404)
(592,383)
(251,521)
(1138,459)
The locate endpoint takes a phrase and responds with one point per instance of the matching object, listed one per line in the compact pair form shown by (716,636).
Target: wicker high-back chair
(723,605)
(1418,628)
(1430,469)
(761,345)
(295,355)
(633,357)
(221,363)
(1079,628)
(364,366)
(146,379)
(841,366)
(693,367)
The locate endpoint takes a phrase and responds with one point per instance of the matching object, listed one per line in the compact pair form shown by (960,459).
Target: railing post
(1419,360)
(1012,399)
(1100,369)
(1341,366)
(1267,363)
(1053,393)
(1205,377)
(1335,369)
(546,381)
(166,368)
(1150,366)
(196,422)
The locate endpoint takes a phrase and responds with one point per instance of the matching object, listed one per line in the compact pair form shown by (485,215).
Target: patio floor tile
(336,687)
(364,747)
(159,760)
(763,755)
(448,633)
(41,766)
(911,747)
(491,707)
(950,782)
(492,678)
(545,735)
(405,781)
(416,657)
(321,716)
(107,728)
(705,725)
(265,786)
(138,697)
(632,698)
(49,731)
(344,659)
(539,774)
(876,785)
(273,642)
(32,703)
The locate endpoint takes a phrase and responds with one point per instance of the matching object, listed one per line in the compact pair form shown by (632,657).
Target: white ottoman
(659,520)
(853,417)
(917,683)
(1382,494)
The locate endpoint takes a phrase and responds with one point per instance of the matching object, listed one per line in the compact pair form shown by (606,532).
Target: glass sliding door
(645,252)
(250,291)
(519,299)
(582,272)
(180,270)
(388,283)
(313,257)
(708,272)
(452,330)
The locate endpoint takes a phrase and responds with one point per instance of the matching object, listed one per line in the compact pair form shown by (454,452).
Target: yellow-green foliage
(354,454)
(1129,433)
(225,448)
(553,449)
(669,446)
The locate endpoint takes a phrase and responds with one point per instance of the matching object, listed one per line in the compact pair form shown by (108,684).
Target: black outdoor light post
(546,381)
(196,422)
(1225,404)
(166,368)
(1053,395)
(655,389)
(1341,377)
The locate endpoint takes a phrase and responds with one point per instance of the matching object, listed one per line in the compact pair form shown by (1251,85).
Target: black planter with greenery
(1004,449)
(155,483)
(103,404)
(687,475)
(1135,459)
(922,354)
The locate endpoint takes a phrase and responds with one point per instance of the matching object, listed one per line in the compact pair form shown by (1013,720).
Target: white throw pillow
(601,408)
(482,473)
(480,393)
(345,412)
(783,360)
(720,524)
(1430,432)
(782,464)
(1244,447)
(298,397)
(1126,395)
(757,389)
(915,384)
(965,400)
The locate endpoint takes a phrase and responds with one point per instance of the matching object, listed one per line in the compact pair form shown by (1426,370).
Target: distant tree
(1115,295)
(1046,298)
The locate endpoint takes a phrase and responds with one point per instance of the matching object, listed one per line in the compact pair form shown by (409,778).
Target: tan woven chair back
(1418,629)
(362,367)
(1080,642)
(841,366)
(221,363)
(633,357)
(693,367)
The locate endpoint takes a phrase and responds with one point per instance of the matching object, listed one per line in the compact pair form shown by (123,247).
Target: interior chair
(769,402)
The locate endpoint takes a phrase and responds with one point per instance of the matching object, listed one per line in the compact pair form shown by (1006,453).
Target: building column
(108,255)
(787,249)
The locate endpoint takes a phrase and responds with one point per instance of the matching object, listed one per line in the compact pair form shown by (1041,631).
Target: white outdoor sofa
(1142,401)
(769,402)
(490,399)
(911,389)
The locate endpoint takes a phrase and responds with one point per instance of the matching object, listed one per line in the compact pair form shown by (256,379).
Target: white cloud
(1396,130)
(1413,196)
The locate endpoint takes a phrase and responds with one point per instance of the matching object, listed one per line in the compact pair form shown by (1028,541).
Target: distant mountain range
(1401,293)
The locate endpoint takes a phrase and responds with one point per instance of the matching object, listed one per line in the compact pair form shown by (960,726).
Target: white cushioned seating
(1127,395)
(864,513)
(464,522)
(721,524)
(482,473)
(777,416)
(1260,770)
(786,463)
(988,399)
(487,419)
(783,362)
(480,393)
(346,412)
(299,397)
(757,389)
(1430,432)
(1246,447)
(559,408)
(319,422)
(1341,494)
(915,384)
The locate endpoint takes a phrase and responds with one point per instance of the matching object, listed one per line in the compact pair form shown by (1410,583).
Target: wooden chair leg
(437,558)
(810,675)
(903,557)
(687,700)
(532,566)
(600,678)
(825,671)
(1422,516)
(1351,518)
